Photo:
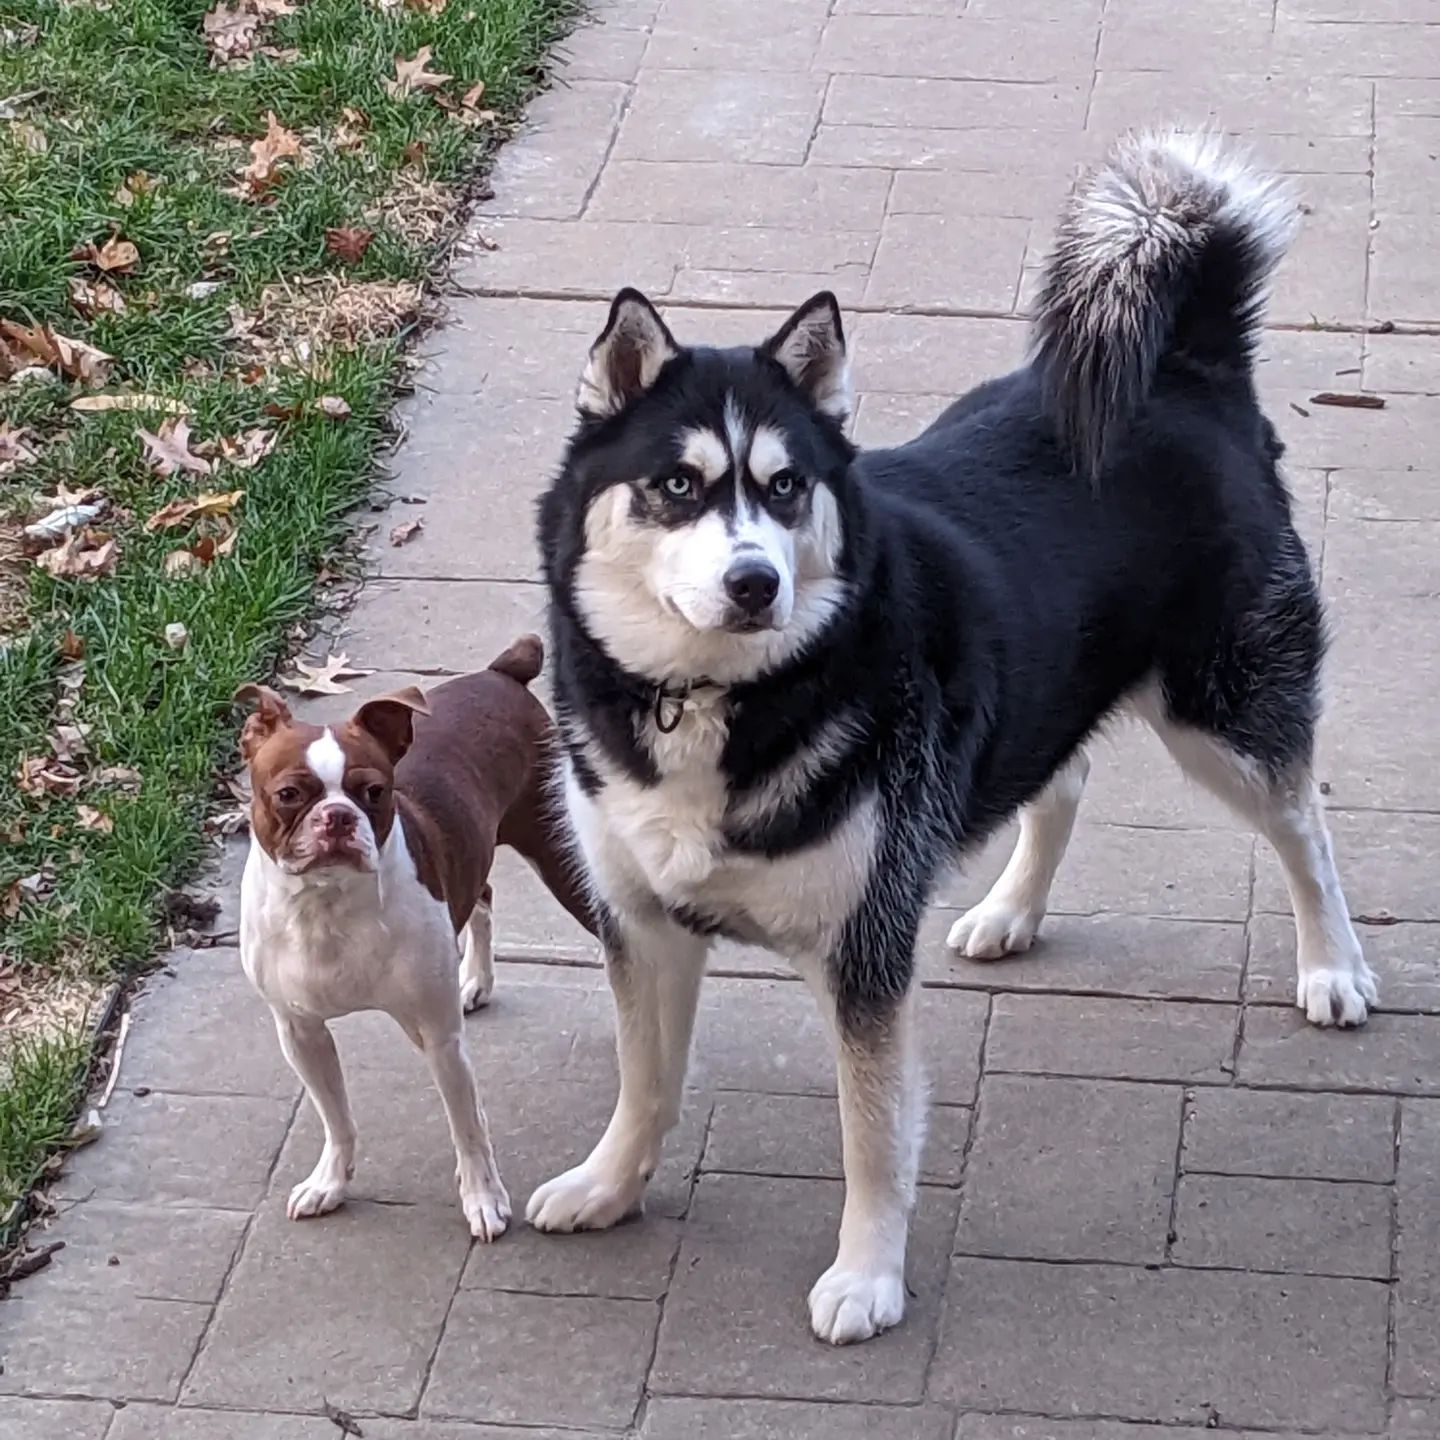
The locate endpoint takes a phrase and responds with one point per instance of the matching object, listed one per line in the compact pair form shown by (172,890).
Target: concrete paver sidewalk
(1151,1195)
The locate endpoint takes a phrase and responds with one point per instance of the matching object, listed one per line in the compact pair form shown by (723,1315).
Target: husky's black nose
(752,585)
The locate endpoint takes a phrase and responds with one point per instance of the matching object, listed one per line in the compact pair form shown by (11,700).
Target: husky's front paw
(586,1198)
(847,1306)
(1336,996)
(994,928)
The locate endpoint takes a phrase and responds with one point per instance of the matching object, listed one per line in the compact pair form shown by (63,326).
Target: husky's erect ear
(810,346)
(627,358)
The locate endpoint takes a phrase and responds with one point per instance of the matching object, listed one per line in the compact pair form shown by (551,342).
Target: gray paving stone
(734,34)
(1006,1427)
(1323,278)
(1403,272)
(1281,1134)
(548,169)
(601,52)
(206,1150)
(1399,50)
(1386,862)
(1393,1052)
(759,264)
(1182,874)
(735,1320)
(53,1419)
(1033,194)
(1134,781)
(667,1419)
(885,420)
(59,1342)
(799,1136)
(911,106)
(1070,1170)
(440,626)
(1383,494)
(1368,561)
(1170,1346)
(335,1310)
(1415,1420)
(1304,1227)
(1417,1297)
(1233,40)
(1405,957)
(927,355)
(498,1360)
(784,196)
(589,258)
(1402,363)
(944,261)
(1104,1037)
(1099,954)
(764,117)
(934,46)
(204,1030)
(154,1422)
(769,1036)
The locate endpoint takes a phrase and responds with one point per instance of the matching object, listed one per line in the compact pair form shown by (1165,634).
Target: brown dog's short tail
(523,661)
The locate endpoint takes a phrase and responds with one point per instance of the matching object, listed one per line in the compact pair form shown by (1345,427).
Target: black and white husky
(795,681)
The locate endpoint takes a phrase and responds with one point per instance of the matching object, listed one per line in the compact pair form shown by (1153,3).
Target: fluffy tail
(1167,249)
(522,661)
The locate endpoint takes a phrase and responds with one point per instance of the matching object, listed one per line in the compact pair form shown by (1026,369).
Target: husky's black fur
(1108,514)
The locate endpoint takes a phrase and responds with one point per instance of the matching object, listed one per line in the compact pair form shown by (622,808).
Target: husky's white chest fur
(667,841)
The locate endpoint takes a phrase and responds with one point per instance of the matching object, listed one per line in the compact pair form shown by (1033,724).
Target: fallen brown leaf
(348,242)
(406,532)
(15,447)
(322,679)
(277,144)
(82,555)
(180,511)
(92,819)
(92,298)
(247,449)
(44,346)
(336,407)
(97,404)
(169,452)
(230,32)
(183,562)
(471,98)
(414,153)
(134,185)
(40,775)
(115,256)
(68,742)
(1349,400)
(412,75)
(349,134)
(72,646)
(427,7)
(125,777)
(31,137)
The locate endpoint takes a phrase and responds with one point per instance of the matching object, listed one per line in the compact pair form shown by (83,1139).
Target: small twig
(119,1055)
(1349,400)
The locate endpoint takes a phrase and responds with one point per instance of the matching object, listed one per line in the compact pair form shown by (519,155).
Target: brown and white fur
(371,847)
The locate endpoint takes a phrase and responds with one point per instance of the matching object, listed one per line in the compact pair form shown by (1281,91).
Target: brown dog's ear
(271,713)
(389,719)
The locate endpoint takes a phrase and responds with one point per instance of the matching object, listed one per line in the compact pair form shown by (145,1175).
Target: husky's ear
(810,346)
(626,359)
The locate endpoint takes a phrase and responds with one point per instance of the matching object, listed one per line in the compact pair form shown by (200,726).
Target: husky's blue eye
(783,484)
(679,487)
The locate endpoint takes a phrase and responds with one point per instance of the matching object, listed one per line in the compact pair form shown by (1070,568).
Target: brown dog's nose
(335,821)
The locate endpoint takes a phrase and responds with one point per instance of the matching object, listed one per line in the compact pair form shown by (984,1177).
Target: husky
(796,681)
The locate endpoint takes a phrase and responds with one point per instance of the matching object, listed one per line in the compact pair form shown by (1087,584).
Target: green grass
(129,90)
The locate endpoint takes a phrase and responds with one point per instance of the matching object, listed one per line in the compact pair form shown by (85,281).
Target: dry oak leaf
(408,531)
(92,819)
(73,358)
(40,775)
(30,137)
(183,562)
(266,153)
(72,646)
(169,452)
(230,32)
(134,185)
(180,512)
(92,298)
(247,449)
(334,407)
(427,7)
(15,447)
(82,555)
(322,679)
(348,242)
(411,75)
(115,256)
(161,404)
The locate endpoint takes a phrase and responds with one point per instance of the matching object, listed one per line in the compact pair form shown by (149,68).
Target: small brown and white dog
(370,853)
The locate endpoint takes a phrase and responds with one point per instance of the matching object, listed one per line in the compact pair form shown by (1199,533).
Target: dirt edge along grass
(238,209)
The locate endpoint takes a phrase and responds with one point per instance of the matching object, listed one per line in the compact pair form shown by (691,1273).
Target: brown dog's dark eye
(288,795)
(374,794)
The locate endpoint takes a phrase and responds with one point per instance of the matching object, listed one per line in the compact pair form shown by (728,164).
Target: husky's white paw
(847,1306)
(487,1211)
(475,991)
(320,1192)
(585,1198)
(995,927)
(1337,996)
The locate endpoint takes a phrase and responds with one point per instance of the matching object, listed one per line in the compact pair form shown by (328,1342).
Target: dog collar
(668,702)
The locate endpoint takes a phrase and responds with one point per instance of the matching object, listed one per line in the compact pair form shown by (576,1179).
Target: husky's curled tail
(1166,250)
